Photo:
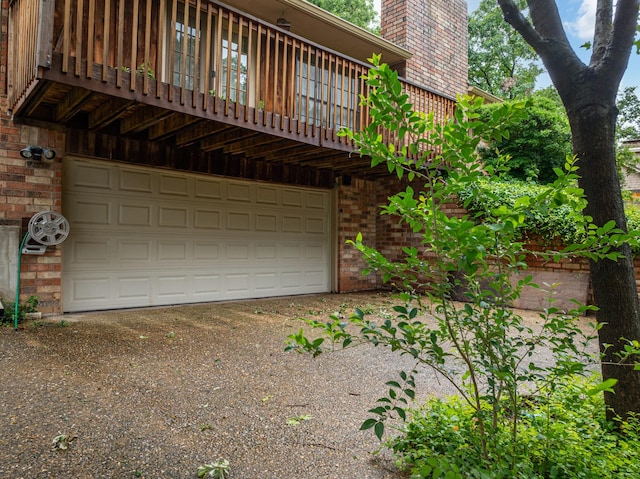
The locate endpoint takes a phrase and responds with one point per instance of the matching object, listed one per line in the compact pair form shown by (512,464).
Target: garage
(148,237)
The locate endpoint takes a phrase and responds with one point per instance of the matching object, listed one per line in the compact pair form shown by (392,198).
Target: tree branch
(616,57)
(602,31)
(514,17)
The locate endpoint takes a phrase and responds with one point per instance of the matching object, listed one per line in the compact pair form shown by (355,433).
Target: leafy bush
(553,220)
(6,316)
(537,144)
(562,433)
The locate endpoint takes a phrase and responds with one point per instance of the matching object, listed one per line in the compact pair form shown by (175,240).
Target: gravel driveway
(155,393)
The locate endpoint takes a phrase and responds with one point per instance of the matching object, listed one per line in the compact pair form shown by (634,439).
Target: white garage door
(144,237)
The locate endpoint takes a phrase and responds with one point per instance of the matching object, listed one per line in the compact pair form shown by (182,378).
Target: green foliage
(553,221)
(500,61)
(215,470)
(483,348)
(359,12)
(29,306)
(562,433)
(628,103)
(536,145)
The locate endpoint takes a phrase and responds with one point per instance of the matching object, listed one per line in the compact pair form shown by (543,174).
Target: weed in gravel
(215,470)
(61,442)
(294,421)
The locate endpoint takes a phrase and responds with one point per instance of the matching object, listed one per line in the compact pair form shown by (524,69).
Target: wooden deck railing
(203,56)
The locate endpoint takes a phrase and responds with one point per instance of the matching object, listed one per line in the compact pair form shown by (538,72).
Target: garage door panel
(89,251)
(208,188)
(206,286)
(173,288)
(131,214)
(267,195)
(170,217)
(174,185)
(135,180)
(292,197)
(266,222)
(147,237)
(206,251)
(207,219)
(140,251)
(90,175)
(239,191)
(239,221)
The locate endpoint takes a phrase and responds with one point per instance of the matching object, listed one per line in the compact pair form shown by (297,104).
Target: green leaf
(368,424)
(604,386)
(379,430)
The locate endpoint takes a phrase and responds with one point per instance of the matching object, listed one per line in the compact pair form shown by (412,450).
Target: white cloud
(582,26)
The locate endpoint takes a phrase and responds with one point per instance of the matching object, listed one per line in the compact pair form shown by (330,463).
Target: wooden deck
(197,81)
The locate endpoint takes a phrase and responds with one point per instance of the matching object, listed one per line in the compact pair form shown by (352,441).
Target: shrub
(562,433)
(29,306)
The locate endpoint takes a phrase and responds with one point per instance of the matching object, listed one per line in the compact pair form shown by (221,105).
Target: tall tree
(500,61)
(358,12)
(588,93)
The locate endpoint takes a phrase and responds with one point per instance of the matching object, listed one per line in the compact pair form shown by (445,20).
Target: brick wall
(28,187)
(358,212)
(435,32)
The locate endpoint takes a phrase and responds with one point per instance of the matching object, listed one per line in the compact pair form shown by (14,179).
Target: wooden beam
(171,125)
(243,145)
(198,132)
(221,139)
(109,112)
(289,155)
(261,150)
(71,104)
(143,118)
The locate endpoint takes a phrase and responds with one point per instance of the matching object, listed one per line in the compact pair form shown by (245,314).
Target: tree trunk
(589,96)
(614,284)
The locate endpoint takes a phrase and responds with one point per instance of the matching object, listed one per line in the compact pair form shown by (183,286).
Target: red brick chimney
(435,32)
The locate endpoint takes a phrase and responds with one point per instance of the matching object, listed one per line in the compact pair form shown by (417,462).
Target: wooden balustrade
(200,56)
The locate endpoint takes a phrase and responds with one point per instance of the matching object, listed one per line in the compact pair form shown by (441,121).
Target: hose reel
(46,228)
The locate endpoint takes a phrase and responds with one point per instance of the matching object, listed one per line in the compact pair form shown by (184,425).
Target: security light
(37,153)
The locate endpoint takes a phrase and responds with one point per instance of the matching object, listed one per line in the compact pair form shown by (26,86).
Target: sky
(577,16)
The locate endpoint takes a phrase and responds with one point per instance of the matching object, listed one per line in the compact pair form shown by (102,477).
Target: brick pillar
(358,212)
(28,187)
(435,32)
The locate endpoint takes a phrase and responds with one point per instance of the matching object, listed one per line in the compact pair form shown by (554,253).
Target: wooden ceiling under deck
(132,126)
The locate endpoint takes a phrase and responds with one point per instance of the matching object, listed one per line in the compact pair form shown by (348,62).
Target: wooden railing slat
(236,107)
(207,59)
(171,46)
(67,36)
(120,53)
(160,55)
(197,66)
(90,37)
(106,47)
(148,70)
